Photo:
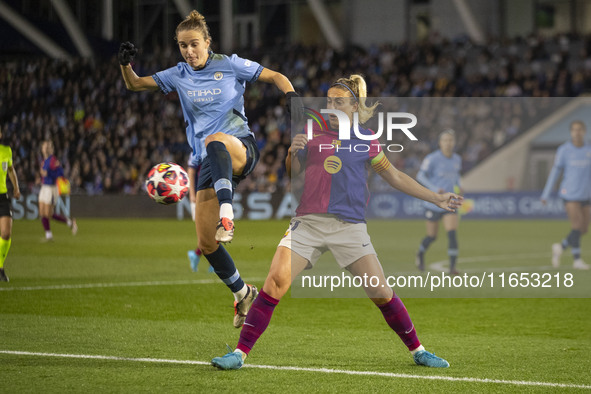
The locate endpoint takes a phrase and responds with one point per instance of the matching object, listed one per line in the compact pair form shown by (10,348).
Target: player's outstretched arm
(399,180)
(127,52)
(280,80)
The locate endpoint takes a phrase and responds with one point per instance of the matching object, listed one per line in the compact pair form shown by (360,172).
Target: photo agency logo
(392,124)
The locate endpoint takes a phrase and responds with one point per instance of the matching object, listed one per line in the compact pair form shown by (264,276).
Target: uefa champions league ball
(167,183)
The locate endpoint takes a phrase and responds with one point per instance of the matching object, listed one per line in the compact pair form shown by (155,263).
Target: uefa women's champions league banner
(265,206)
(501,205)
(394,205)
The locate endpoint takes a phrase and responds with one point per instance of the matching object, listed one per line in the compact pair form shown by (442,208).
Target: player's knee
(279,283)
(5,237)
(206,246)
(219,136)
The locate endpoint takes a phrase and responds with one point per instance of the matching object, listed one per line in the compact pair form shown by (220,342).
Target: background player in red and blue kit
(210,87)
(331,216)
(48,195)
(573,160)
(440,172)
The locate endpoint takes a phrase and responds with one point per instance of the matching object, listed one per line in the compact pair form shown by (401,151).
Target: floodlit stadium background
(102,310)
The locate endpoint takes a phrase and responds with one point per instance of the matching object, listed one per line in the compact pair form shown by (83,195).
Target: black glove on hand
(127,52)
(292,99)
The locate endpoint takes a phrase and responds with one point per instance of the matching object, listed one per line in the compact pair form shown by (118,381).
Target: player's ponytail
(356,85)
(194,21)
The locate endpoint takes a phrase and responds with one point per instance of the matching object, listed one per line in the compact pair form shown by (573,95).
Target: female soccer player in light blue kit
(573,160)
(210,88)
(440,172)
(331,216)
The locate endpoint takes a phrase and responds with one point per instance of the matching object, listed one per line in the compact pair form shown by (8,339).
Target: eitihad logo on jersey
(332,164)
(218,75)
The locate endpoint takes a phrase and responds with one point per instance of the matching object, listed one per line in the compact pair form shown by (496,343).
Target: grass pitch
(124,289)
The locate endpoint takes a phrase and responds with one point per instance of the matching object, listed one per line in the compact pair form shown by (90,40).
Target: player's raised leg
(284,267)
(227,157)
(218,257)
(394,311)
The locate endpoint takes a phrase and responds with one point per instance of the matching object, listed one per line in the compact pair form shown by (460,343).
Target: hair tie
(348,88)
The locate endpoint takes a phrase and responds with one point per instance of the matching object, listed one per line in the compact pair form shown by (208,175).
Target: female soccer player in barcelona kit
(48,194)
(440,172)
(573,160)
(331,216)
(5,212)
(210,88)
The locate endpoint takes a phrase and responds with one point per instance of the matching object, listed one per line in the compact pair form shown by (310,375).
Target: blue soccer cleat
(193,259)
(423,357)
(232,360)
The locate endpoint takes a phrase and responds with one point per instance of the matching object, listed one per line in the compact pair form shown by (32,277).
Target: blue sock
(220,163)
(574,240)
(425,244)
(452,249)
(224,267)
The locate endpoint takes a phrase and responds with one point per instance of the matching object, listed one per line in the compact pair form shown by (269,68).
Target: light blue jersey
(575,165)
(439,172)
(212,97)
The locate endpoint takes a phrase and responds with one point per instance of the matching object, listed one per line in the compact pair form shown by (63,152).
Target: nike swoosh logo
(246,324)
(364,245)
(409,331)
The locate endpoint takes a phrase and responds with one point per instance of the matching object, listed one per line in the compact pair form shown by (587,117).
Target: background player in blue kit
(210,88)
(48,194)
(440,172)
(573,161)
(331,216)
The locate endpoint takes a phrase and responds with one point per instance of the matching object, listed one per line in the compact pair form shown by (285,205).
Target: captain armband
(380,163)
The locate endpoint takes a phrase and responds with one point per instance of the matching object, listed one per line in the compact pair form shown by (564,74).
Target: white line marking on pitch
(442,265)
(123,284)
(303,369)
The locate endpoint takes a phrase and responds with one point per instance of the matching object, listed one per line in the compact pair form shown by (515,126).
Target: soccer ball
(167,183)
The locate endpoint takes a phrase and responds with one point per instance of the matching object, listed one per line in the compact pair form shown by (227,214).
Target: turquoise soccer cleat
(193,259)
(232,360)
(423,357)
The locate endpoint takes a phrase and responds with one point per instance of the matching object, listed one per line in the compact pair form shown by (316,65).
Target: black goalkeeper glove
(293,100)
(127,52)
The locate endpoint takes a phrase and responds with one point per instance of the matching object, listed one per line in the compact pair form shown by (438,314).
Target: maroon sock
(398,319)
(59,218)
(45,222)
(198,252)
(257,320)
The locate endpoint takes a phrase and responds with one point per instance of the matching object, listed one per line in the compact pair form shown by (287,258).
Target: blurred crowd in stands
(107,138)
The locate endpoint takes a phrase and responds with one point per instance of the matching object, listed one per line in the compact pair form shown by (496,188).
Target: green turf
(535,340)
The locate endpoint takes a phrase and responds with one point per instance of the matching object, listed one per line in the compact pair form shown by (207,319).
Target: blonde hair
(194,21)
(356,85)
